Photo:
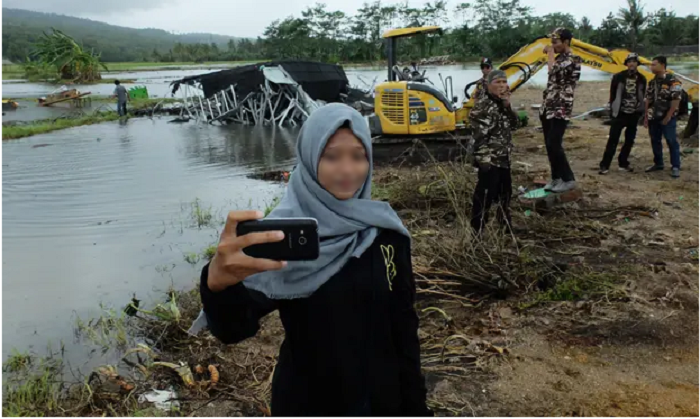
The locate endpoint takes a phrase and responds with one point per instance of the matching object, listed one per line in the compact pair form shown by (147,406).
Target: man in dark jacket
(627,107)
(492,120)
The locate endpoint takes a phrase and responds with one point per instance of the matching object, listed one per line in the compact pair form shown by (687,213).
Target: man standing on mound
(555,112)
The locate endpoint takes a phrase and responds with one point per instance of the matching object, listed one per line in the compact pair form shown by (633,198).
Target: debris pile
(276,93)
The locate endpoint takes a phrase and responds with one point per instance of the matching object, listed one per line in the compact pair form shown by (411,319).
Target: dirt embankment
(586,309)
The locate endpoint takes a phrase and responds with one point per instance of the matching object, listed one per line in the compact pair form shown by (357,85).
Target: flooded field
(94,214)
(158,82)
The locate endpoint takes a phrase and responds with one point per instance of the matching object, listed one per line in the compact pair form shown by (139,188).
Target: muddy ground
(634,357)
(587,309)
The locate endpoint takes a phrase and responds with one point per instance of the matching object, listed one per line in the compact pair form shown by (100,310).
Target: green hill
(20,28)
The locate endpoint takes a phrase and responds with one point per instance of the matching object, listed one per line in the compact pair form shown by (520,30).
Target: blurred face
(558,46)
(343,167)
(657,67)
(632,65)
(498,87)
(485,70)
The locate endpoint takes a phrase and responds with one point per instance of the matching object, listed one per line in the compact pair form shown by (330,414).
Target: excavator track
(413,150)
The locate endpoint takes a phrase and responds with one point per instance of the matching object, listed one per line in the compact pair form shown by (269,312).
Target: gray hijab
(346,228)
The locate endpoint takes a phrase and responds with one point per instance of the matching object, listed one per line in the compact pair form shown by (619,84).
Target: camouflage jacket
(660,93)
(492,123)
(480,90)
(558,97)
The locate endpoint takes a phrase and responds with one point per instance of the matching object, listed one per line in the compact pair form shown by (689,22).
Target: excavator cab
(405,104)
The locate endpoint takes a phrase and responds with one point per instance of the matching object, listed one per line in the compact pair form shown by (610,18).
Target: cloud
(83,7)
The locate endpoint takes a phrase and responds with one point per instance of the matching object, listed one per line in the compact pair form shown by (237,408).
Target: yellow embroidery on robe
(388,254)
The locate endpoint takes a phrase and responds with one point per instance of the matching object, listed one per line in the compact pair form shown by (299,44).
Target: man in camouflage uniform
(661,109)
(492,120)
(555,112)
(482,85)
(627,91)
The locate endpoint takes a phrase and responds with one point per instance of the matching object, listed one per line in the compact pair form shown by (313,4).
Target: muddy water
(96,213)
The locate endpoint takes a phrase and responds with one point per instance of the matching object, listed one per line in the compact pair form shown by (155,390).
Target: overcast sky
(249,18)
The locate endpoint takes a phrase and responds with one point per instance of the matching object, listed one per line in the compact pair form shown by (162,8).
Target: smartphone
(300,238)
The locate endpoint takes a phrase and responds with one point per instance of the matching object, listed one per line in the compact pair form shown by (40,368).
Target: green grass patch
(583,286)
(201,216)
(272,205)
(34,390)
(209,252)
(17,361)
(11,132)
(191,258)
(12,75)
(106,330)
(41,127)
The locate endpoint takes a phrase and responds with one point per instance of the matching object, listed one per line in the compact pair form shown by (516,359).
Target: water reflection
(242,147)
(96,215)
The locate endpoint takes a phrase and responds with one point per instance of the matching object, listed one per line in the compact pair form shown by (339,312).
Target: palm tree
(585,28)
(633,21)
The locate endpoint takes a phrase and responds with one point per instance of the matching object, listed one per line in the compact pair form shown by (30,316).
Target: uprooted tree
(59,55)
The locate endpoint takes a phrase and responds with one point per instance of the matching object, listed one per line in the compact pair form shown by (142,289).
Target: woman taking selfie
(351,333)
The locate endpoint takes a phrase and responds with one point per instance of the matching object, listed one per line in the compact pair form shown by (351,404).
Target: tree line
(493,28)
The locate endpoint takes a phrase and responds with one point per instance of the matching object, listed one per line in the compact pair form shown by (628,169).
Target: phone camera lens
(302,240)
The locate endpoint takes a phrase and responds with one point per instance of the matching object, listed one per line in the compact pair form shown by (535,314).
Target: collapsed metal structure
(273,93)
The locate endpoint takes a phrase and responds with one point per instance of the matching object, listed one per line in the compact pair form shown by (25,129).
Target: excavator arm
(530,59)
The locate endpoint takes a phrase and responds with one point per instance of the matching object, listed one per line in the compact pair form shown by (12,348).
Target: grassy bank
(45,126)
(21,130)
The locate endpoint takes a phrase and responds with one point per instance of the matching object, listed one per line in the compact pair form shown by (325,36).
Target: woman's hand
(230,265)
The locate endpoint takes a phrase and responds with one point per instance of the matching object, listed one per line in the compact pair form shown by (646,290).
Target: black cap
(561,33)
(486,62)
(632,57)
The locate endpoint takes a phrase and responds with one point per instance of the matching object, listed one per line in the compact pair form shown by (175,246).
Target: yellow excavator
(405,106)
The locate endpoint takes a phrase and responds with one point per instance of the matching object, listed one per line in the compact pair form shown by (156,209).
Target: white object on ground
(198,324)
(162,399)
